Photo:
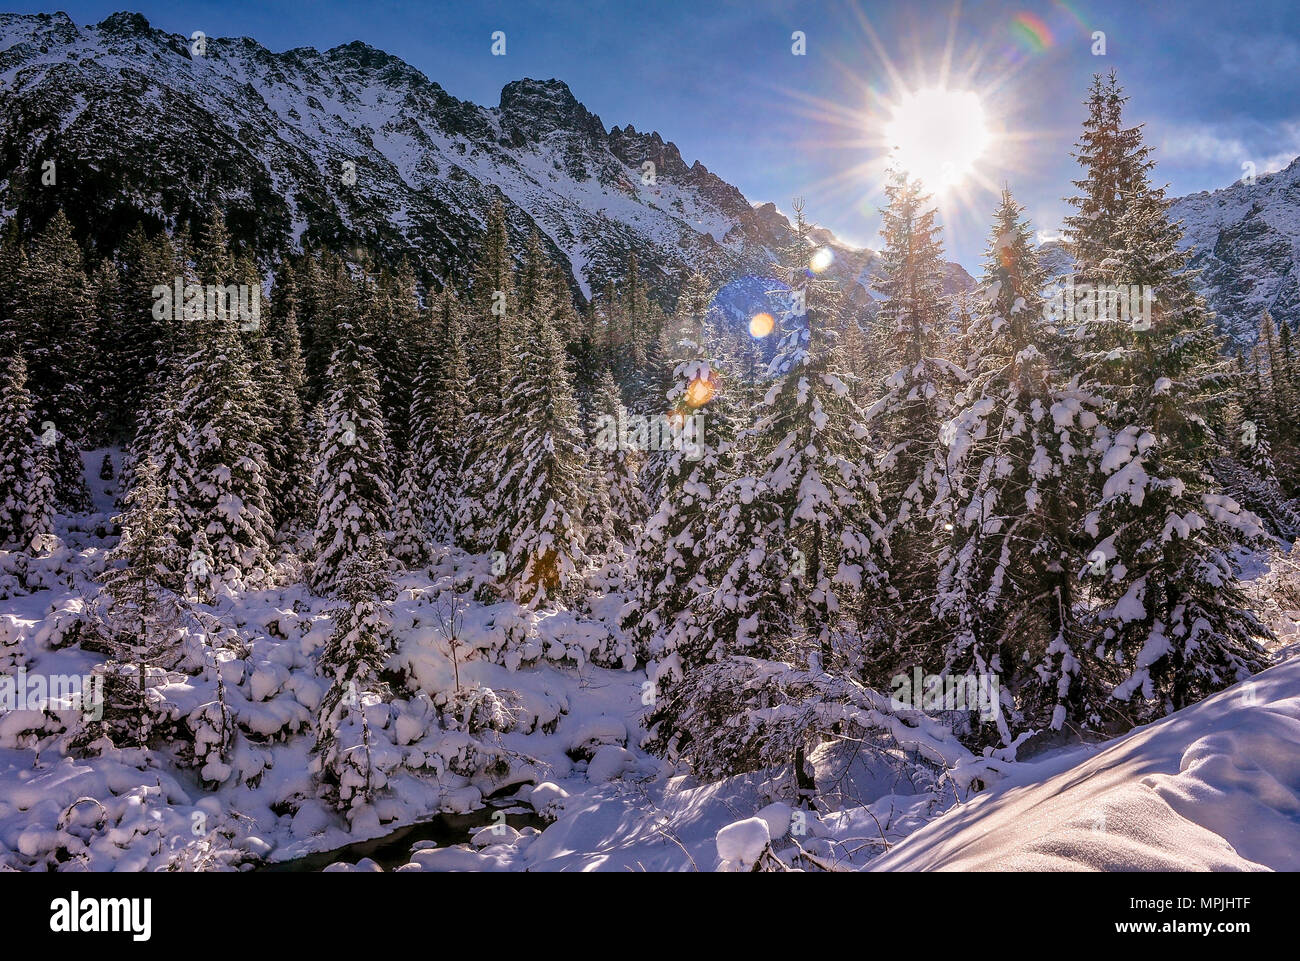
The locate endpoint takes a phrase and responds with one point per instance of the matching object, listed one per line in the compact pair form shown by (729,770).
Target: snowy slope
(1213,787)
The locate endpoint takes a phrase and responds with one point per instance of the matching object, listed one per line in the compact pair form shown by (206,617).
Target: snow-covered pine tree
(1013,497)
(792,534)
(611,471)
(540,469)
(142,613)
(1113,158)
(154,346)
(220,416)
(352,662)
(214,260)
(291,456)
(18,469)
(740,606)
(664,612)
(681,341)
(440,419)
(162,434)
(255,337)
(493,349)
(1172,614)
(410,532)
(145,561)
(810,443)
(38,519)
(1253,483)
(355,500)
(1252,432)
(54,319)
(918,389)
(533,282)
(202,579)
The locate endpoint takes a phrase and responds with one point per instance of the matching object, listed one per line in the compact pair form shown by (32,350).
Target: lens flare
(821,259)
(1031,32)
(700,391)
(760,325)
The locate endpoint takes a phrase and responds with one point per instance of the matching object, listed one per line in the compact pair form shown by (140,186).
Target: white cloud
(1214,145)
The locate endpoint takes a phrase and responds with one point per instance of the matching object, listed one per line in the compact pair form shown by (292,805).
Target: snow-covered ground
(548,733)
(1213,787)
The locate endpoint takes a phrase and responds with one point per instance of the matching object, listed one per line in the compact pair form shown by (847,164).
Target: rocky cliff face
(1246,243)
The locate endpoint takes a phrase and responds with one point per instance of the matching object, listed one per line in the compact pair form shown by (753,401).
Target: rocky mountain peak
(124,24)
(531,109)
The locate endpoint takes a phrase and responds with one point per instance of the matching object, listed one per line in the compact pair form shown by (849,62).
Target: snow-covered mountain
(1246,239)
(140,126)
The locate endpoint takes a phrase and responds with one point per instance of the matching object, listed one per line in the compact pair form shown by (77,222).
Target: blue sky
(1217,85)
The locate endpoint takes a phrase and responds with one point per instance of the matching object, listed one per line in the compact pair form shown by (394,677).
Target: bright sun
(937,135)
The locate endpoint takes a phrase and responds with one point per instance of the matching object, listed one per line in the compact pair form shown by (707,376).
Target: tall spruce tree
(664,614)
(355,499)
(1013,498)
(352,661)
(918,389)
(810,445)
(19,470)
(493,348)
(1169,607)
(540,470)
(143,610)
(1114,159)
(220,419)
(54,319)
(440,418)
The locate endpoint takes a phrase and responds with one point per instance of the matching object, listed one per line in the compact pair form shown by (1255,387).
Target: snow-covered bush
(213,727)
(476,709)
(745,714)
